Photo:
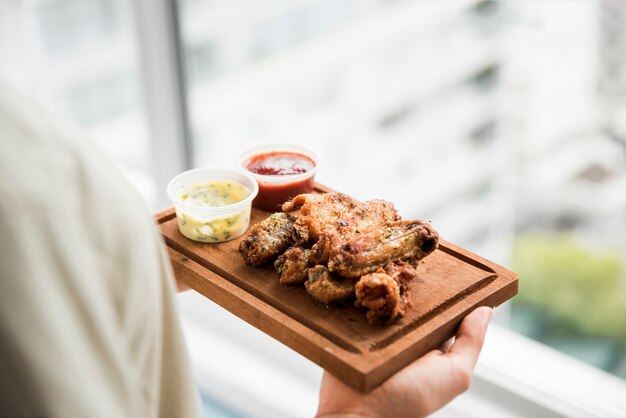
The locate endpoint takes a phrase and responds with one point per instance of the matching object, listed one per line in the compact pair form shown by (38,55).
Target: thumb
(471,335)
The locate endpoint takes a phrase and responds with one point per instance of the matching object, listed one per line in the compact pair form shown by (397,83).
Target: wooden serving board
(451,283)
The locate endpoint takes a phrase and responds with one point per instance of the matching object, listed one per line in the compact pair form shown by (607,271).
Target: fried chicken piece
(400,240)
(268,238)
(385,298)
(359,251)
(366,217)
(293,265)
(402,272)
(316,212)
(326,287)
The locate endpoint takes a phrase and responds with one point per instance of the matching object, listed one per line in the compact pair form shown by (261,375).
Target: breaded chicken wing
(326,287)
(367,217)
(293,265)
(267,239)
(402,272)
(400,240)
(316,212)
(385,298)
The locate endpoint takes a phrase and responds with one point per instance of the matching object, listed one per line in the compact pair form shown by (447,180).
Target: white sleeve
(88,323)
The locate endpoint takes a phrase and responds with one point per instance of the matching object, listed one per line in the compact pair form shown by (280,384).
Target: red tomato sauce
(280,163)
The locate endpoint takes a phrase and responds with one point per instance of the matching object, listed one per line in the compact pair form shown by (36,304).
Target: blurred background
(504,123)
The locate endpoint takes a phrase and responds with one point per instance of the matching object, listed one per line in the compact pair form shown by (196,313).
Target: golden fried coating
(326,287)
(383,297)
(400,240)
(366,217)
(267,239)
(316,212)
(293,265)
(401,271)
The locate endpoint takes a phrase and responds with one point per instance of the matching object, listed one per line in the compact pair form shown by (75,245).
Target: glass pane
(79,58)
(501,122)
(569,86)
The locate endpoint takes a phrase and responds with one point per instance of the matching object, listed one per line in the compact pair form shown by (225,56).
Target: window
(79,58)
(483,116)
(504,123)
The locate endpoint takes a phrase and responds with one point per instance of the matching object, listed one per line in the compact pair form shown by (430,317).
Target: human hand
(419,389)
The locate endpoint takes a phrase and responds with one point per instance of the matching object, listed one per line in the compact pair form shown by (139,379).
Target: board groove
(466,259)
(432,313)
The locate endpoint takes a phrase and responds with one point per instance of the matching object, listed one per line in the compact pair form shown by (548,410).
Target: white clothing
(88,322)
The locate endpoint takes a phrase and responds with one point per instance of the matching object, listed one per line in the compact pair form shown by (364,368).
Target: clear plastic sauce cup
(289,171)
(212,219)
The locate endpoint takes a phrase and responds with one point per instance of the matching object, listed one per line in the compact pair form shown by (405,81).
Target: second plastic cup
(282,172)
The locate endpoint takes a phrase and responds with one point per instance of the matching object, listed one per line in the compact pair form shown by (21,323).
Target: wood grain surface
(451,283)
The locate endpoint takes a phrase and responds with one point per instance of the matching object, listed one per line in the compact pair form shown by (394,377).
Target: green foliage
(583,288)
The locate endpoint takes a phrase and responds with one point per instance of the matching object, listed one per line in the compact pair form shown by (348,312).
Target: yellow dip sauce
(206,227)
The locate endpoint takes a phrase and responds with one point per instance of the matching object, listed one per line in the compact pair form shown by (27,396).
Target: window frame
(161,63)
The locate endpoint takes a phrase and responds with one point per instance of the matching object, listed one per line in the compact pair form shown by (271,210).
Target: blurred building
(612,79)
(401,100)
(567,87)
(572,159)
